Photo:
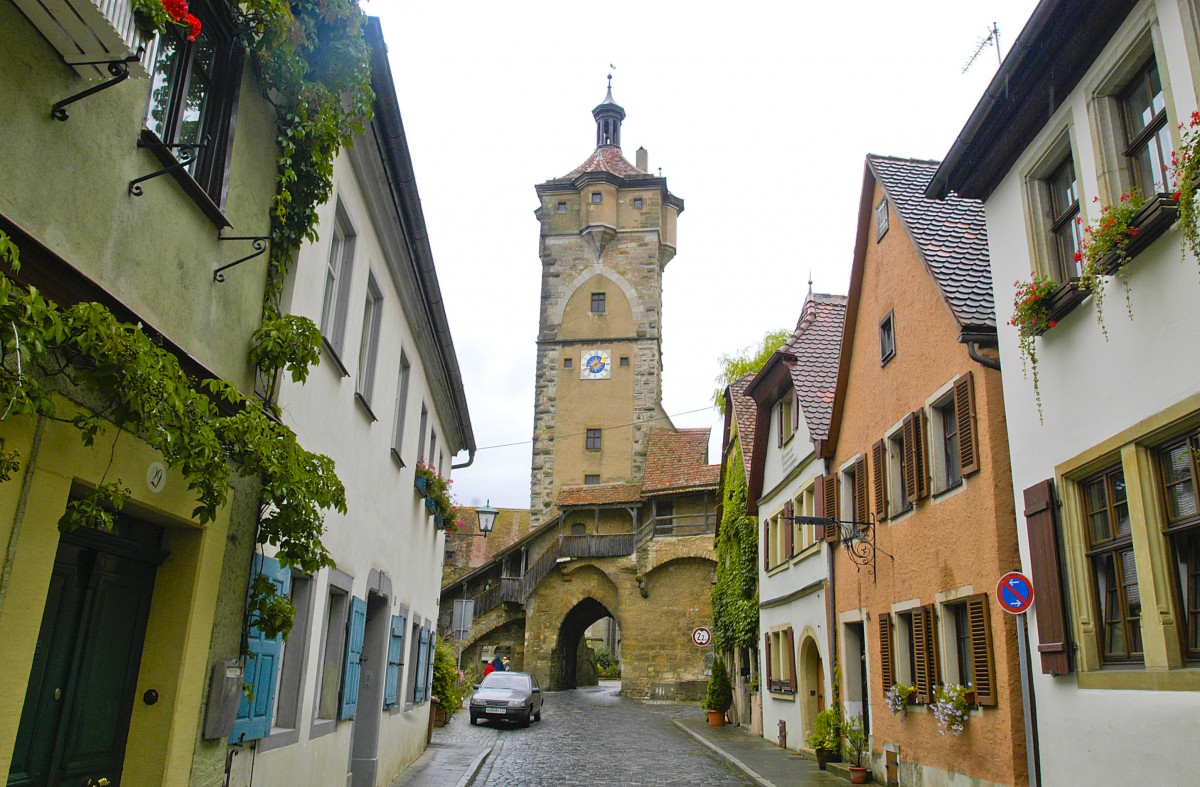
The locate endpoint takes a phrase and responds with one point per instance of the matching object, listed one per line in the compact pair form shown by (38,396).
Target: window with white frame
(898,459)
(785,416)
(401,407)
(887,338)
(333,646)
(803,536)
(881,219)
(424,430)
(781,661)
(292,661)
(943,426)
(1148,144)
(369,344)
(338,269)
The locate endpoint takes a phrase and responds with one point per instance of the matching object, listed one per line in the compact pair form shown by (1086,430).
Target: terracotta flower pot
(716,718)
(858,774)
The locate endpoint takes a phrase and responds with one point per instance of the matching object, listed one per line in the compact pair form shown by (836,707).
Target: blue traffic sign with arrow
(1015,592)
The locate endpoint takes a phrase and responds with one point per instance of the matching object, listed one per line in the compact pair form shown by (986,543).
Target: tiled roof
(605,159)
(598,495)
(678,459)
(949,234)
(816,344)
(744,411)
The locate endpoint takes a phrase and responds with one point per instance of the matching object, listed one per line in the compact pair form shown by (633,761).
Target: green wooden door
(75,719)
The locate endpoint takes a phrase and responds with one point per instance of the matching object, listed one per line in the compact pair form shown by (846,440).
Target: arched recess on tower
(623,307)
(564,660)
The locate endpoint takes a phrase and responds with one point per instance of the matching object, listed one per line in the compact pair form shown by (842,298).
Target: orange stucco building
(919,455)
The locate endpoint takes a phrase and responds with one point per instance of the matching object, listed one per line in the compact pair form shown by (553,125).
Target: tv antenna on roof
(993,37)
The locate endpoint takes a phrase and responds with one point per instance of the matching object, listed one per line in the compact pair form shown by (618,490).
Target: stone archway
(812,684)
(564,658)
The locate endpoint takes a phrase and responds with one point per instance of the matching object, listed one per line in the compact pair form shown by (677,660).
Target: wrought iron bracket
(119,70)
(857,538)
(259,242)
(186,157)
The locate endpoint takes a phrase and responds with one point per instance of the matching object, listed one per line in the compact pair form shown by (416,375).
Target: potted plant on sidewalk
(720,694)
(826,737)
(857,742)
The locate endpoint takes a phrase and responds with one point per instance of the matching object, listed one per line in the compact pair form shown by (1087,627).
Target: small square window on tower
(597,198)
(598,305)
(638,202)
(562,207)
(568,363)
(593,439)
(887,338)
(624,360)
(591,480)
(881,219)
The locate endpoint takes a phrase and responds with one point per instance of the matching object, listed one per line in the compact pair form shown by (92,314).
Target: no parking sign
(1015,592)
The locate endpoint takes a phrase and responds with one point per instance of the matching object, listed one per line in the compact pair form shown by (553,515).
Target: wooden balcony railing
(685,525)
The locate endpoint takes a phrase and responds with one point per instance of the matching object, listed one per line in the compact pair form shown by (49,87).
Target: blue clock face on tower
(595,365)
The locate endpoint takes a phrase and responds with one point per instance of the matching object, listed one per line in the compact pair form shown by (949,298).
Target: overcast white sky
(760,115)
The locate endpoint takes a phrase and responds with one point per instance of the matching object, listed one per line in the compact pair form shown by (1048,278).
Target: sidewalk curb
(741,765)
(473,768)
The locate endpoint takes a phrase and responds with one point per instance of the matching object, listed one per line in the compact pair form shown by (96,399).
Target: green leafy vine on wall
(735,596)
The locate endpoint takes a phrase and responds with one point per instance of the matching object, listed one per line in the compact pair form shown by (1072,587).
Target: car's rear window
(498,680)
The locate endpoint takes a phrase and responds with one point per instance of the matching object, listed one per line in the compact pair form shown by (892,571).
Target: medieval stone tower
(607,234)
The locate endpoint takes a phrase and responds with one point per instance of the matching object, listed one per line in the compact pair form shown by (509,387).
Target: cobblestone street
(593,736)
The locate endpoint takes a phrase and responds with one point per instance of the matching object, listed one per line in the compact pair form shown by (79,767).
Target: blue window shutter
(391,684)
(262,664)
(429,663)
(422,660)
(352,666)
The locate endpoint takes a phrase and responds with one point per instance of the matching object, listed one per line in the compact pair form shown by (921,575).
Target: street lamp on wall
(487,520)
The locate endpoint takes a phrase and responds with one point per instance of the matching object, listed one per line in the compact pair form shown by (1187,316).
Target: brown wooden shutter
(879,466)
(831,507)
(819,506)
(791,646)
(982,660)
(920,656)
(925,650)
(795,410)
(1054,643)
(887,657)
(968,434)
(861,512)
(909,431)
(789,541)
(766,543)
(767,661)
(931,640)
(779,421)
(921,452)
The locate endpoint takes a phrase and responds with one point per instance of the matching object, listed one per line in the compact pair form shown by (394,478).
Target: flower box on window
(1153,219)
(87,30)
(431,505)
(422,484)
(1068,295)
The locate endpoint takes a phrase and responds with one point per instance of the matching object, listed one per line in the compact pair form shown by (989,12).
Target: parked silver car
(507,696)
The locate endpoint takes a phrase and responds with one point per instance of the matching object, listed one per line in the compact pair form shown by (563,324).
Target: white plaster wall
(386,527)
(795,458)
(1091,389)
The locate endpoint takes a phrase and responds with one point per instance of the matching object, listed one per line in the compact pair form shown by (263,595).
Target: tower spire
(608,115)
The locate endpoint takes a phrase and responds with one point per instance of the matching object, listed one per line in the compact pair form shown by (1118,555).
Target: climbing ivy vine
(735,596)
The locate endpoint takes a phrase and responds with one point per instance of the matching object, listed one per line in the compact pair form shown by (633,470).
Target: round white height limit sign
(701,636)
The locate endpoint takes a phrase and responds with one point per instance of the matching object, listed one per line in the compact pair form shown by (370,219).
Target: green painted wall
(66,182)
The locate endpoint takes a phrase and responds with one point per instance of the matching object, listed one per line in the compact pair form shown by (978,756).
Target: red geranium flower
(1051,324)
(193,25)
(178,9)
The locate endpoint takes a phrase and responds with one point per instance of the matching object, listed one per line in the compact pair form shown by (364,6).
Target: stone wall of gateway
(656,613)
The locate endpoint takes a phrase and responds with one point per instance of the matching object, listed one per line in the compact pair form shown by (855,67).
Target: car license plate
(496,710)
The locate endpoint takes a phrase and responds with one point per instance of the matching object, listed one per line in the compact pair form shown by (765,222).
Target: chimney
(643,160)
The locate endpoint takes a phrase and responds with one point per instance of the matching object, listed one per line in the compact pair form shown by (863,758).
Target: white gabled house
(1081,112)
(345,698)
(792,398)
